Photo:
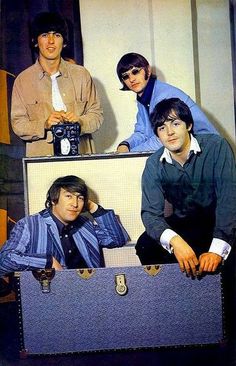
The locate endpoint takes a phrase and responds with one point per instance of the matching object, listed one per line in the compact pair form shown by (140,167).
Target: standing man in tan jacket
(53,91)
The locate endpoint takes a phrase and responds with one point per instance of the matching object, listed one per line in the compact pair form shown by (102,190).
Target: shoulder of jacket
(155,157)
(29,72)
(75,68)
(209,138)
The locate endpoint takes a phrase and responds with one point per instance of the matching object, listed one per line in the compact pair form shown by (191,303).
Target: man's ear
(149,70)
(33,40)
(190,127)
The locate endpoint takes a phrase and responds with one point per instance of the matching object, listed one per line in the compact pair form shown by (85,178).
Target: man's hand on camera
(54,118)
(69,117)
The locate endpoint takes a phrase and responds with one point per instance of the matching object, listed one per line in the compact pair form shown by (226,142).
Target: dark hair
(70,183)
(48,22)
(164,109)
(128,61)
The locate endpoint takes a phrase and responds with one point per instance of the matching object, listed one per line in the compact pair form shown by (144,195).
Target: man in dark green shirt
(197,176)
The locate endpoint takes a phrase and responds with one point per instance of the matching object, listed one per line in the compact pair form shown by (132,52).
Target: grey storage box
(118,308)
(122,306)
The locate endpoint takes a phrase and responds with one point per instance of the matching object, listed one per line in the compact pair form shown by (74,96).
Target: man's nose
(51,38)
(75,201)
(170,130)
(131,77)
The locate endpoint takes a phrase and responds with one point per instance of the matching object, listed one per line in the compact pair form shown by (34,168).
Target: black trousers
(198,233)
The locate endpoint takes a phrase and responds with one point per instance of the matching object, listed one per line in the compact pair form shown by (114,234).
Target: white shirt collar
(194,147)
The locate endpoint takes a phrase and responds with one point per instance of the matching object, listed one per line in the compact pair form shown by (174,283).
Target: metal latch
(120,282)
(152,270)
(86,273)
(44,276)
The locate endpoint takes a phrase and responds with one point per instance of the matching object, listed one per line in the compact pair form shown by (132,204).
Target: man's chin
(174,150)
(71,218)
(137,90)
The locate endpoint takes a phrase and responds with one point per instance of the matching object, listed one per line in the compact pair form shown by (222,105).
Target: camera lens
(59,132)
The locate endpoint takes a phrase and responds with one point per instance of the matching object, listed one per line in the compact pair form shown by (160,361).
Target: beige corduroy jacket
(31,106)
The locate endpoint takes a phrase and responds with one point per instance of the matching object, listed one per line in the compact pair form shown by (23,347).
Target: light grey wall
(187,42)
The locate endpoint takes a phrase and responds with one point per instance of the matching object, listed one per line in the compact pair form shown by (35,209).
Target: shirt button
(66,236)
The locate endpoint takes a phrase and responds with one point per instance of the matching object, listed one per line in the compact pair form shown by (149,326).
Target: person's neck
(50,66)
(181,156)
(146,93)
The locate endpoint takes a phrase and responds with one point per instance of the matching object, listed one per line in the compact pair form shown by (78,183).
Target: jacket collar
(62,69)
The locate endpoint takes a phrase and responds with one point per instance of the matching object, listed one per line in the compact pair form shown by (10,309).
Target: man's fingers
(189,266)
(181,266)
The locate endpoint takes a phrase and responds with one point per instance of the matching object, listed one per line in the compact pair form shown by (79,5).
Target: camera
(66,139)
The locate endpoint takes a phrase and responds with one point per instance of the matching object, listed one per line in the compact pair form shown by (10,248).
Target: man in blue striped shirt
(59,236)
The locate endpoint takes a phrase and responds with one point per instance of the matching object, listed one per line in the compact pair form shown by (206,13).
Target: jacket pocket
(38,111)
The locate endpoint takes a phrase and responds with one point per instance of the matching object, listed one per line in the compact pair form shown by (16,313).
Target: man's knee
(150,251)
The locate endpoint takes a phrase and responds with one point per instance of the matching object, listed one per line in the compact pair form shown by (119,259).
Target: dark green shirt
(204,188)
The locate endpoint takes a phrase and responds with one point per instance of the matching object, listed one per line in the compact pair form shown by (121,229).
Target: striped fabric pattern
(35,238)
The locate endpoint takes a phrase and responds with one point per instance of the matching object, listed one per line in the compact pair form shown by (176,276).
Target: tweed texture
(78,315)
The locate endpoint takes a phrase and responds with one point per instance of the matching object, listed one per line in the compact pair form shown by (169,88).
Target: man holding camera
(53,91)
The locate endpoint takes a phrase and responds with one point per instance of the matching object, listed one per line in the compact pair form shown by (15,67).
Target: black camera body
(66,139)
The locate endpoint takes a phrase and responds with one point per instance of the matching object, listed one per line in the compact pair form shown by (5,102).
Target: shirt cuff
(100,211)
(220,247)
(166,237)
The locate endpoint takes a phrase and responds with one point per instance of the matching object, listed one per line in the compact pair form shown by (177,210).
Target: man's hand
(56,264)
(59,117)
(69,117)
(92,206)
(185,256)
(122,149)
(54,118)
(209,262)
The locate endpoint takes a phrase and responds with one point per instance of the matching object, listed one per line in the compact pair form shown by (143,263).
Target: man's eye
(44,35)
(81,198)
(135,71)
(58,35)
(125,77)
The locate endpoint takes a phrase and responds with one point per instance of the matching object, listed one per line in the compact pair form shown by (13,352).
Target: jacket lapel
(53,235)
